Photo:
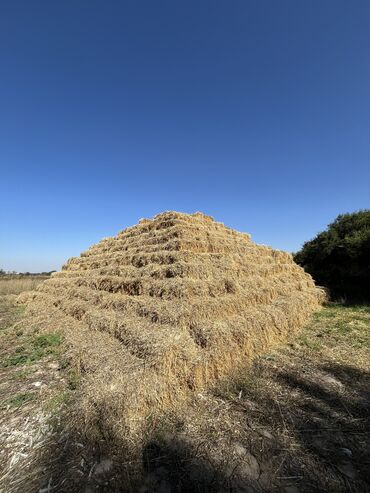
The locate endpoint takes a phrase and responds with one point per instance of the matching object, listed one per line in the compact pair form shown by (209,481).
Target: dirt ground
(296,421)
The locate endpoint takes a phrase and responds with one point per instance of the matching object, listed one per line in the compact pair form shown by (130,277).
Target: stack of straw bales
(168,307)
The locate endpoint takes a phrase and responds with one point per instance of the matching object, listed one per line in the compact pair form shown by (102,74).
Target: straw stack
(168,307)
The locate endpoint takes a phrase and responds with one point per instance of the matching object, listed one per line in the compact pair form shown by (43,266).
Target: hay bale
(168,307)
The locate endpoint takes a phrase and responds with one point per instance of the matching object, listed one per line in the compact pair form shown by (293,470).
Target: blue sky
(256,112)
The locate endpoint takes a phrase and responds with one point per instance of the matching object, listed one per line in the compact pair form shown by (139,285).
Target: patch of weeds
(19,400)
(38,347)
(47,340)
(16,359)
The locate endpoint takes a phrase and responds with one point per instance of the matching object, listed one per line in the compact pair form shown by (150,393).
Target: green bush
(339,258)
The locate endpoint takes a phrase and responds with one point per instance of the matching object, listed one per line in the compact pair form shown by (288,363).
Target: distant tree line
(339,257)
(24,274)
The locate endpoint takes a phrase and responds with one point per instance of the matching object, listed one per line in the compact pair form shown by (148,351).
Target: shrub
(339,258)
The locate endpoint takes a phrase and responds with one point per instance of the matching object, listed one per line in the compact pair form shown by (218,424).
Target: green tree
(339,257)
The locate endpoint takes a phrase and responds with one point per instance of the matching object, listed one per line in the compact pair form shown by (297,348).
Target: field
(17,284)
(296,421)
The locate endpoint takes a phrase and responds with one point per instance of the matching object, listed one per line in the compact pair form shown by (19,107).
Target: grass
(34,349)
(19,400)
(337,325)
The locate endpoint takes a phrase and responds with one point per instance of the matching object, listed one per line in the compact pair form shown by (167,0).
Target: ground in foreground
(296,421)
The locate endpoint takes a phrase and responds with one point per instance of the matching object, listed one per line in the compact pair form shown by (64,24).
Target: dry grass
(12,285)
(164,309)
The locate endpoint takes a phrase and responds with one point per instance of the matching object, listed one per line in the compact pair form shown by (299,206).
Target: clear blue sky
(256,112)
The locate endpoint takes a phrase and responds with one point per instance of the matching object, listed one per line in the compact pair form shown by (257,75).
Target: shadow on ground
(290,429)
